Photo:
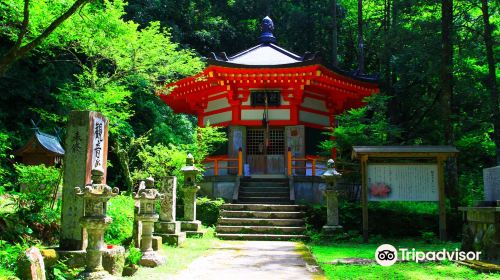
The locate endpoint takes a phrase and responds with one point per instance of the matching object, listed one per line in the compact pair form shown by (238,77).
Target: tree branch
(17,52)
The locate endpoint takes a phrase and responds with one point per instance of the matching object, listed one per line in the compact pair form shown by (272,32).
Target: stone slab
(491,179)
(156,242)
(152,259)
(167,227)
(190,225)
(113,260)
(195,234)
(73,259)
(332,229)
(352,261)
(31,265)
(173,239)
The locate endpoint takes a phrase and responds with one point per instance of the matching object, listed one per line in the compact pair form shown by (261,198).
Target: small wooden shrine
(41,148)
(270,99)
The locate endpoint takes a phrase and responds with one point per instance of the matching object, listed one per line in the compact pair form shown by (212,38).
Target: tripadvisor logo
(387,255)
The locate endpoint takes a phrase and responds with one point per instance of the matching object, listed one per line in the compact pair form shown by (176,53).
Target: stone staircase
(263,212)
(270,191)
(261,222)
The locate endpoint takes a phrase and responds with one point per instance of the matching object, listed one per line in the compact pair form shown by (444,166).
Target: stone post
(86,146)
(148,216)
(331,176)
(95,221)
(167,227)
(190,225)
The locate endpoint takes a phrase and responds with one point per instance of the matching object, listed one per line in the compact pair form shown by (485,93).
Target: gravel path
(254,260)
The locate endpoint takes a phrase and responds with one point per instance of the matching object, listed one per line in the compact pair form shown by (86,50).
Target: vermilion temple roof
(267,66)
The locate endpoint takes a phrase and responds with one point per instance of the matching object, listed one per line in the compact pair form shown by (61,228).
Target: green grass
(179,258)
(325,253)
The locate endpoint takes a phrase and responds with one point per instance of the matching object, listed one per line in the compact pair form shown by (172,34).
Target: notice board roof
(404,151)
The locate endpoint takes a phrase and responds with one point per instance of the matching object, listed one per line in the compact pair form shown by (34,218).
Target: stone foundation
(481,231)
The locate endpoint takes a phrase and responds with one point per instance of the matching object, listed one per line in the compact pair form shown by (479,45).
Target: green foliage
(159,161)
(428,236)
(4,147)
(366,126)
(32,218)
(206,140)
(9,253)
(121,210)
(61,271)
(208,210)
(134,255)
(37,184)
(400,219)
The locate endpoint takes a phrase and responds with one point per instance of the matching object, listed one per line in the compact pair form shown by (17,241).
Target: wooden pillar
(442,198)
(364,195)
(216,167)
(240,161)
(289,162)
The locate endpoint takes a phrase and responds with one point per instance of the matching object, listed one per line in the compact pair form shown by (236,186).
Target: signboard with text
(402,182)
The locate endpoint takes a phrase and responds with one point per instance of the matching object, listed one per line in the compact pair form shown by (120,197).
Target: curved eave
(316,61)
(218,77)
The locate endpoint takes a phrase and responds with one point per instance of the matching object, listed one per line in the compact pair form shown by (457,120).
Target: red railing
(313,159)
(225,158)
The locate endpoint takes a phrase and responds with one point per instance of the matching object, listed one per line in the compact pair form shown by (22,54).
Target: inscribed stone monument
(491,178)
(167,227)
(86,148)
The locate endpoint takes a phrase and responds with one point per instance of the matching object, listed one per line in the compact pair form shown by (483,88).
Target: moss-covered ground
(327,252)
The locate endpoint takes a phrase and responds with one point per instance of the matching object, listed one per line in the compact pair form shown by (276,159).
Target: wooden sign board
(402,182)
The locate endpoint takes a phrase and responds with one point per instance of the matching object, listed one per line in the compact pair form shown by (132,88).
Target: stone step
(263,194)
(263,199)
(259,229)
(262,214)
(228,236)
(262,207)
(264,189)
(260,222)
(264,184)
(265,180)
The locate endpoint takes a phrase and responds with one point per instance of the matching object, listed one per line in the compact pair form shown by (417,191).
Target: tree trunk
(446,75)
(491,82)
(360,38)
(334,35)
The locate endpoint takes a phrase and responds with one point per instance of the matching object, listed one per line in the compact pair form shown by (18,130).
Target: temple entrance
(266,150)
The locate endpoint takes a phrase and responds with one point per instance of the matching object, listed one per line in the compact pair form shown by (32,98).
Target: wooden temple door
(266,150)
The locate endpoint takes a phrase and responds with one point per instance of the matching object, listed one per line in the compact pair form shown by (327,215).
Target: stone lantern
(190,225)
(331,176)
(95,221)
(147,216)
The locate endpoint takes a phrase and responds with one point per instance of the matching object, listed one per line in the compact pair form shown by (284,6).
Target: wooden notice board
(403,173)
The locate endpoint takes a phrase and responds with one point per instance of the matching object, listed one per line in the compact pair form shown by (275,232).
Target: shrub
(32,217)
(207,210)
(9,254)
(389,219)
(134,255)
(38,183)
(121,210)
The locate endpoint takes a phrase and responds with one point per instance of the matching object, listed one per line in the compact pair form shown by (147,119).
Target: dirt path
(254,260)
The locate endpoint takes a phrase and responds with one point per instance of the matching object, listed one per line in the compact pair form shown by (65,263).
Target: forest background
(435,61)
